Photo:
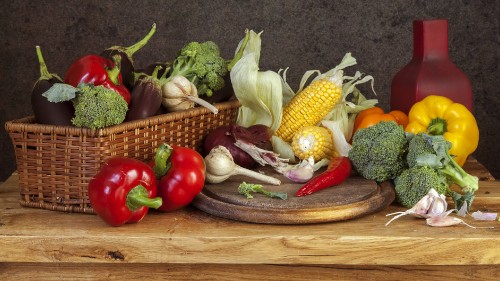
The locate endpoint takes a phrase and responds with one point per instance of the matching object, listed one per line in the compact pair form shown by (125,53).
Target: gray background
(298,34)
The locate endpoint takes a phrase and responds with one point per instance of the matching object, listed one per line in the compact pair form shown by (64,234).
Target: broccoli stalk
(433,151)
(201,64)
(247,188)
(444,164)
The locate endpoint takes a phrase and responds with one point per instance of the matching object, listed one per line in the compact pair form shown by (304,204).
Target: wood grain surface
(242,272)
(190,244)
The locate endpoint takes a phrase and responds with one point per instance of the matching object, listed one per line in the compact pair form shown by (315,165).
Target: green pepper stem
(162,165)
(437,126)
(114,72)
(44,72)
(138,197)
(129,51)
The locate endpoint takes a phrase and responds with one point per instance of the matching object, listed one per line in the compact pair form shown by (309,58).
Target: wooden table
(38,244)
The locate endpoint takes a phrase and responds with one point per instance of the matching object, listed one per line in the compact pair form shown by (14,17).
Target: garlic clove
(301,172)
(478,215)
(443,221)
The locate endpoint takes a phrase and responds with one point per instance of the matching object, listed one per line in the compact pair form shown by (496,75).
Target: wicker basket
(55,163)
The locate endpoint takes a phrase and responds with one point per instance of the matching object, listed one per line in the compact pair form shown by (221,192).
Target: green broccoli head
(98,107)
(211,83)
(442,162)
(378,152)
(191,50)
(415,182)
(202,64)
(418,145)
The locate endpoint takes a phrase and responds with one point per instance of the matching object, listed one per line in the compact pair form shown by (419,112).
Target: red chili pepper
(338,170)
(181,174)
(99,71)
(123,190)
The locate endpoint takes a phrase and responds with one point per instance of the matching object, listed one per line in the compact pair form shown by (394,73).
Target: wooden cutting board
(354,198)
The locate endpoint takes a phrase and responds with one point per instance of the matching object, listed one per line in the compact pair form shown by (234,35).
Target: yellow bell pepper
(438,115)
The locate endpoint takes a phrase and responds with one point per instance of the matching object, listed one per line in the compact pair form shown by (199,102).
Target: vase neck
(430,39)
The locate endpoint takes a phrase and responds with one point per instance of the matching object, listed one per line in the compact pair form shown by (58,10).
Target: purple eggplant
(146,97)
(47,112)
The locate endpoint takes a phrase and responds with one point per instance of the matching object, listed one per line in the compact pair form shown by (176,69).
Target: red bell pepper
(338,170)
(100,71)
(123,190)
(181,174)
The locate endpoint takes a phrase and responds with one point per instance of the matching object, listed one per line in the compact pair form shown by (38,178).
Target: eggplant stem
(44,72)
(137,46)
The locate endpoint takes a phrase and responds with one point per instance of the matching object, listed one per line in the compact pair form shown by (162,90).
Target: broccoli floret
(415,182)
(441,161)
(98,107)
(417,145)
(248,188)
(378,152)
(201,64)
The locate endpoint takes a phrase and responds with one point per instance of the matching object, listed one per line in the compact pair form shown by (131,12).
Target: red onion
(227,135)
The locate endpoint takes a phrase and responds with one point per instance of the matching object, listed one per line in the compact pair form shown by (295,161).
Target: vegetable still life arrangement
(175,85)
(330,121)
(314,138)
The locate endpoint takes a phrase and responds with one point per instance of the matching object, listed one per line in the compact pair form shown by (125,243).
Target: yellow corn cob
(311,105)
(313,141)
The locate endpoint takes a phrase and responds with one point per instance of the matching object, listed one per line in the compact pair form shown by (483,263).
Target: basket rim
(26,124)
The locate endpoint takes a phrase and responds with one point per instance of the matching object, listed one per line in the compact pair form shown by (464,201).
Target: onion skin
(225,136)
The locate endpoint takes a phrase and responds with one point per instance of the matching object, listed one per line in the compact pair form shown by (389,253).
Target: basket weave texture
(56,163)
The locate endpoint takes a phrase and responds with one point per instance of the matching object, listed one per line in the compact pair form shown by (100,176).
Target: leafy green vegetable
(60,92)
(247,189)
(259,92)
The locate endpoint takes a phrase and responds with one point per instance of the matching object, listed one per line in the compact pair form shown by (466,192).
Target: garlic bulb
(180,94)
(220,166)
(431,205)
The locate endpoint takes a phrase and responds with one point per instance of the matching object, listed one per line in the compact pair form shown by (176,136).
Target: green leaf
(60,92)
(460,199)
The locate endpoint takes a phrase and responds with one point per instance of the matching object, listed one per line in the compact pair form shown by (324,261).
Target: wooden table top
(191,237)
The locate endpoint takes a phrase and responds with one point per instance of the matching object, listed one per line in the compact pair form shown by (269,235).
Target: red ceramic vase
(430,72)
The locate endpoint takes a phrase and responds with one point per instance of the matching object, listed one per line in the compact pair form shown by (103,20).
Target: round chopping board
(355,197)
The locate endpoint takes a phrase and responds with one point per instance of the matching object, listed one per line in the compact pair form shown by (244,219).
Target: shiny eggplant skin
(46,112)
(146,99)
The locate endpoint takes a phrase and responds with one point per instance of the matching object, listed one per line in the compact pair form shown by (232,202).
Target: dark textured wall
(298,34)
